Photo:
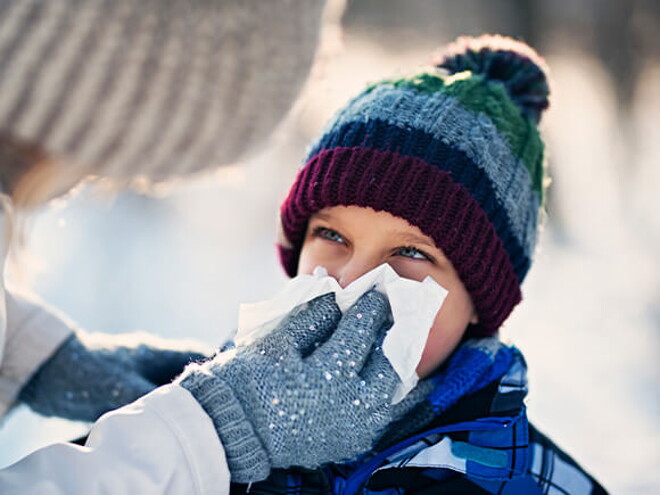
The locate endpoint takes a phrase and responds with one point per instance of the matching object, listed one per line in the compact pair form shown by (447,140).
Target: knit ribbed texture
(459,156)
(151,88)
(247,457)
(474,365)
(408,188)
(315,390)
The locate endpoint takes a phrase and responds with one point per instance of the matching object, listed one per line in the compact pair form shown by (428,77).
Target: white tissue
(414,307)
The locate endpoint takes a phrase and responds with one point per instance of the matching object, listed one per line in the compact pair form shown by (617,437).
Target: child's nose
(354,269)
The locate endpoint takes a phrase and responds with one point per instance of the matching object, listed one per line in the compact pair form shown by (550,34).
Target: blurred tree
(626,36)
(397,22)
(622,34)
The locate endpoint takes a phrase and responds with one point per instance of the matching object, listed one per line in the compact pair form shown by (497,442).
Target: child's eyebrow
(412,238)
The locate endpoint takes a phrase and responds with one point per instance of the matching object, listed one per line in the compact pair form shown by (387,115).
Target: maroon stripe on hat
(426,197)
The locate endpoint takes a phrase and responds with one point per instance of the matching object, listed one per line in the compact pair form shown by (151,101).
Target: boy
(443,176)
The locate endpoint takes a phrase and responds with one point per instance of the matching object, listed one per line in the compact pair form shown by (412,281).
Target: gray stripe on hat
(61,62)
(191,121)
(4,7)
(173,115)
(150,109)
(27,30)
(71,73)
(202,144)
(16,21)
(142,75)
(93,86)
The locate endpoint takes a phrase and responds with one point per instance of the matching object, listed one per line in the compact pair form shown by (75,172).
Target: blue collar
(493,447)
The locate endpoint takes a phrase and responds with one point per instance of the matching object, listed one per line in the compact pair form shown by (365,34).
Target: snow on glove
(82,381)
(316,390)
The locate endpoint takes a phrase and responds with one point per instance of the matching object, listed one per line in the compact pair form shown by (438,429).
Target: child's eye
(329,235)
(414,253)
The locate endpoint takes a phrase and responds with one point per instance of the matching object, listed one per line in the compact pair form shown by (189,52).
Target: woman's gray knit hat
(153,88)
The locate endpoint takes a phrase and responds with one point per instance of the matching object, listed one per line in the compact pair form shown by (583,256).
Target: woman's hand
(318,389)
(82,380)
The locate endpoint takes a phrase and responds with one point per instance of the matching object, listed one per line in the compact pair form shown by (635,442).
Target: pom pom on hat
(459,156)
(499,59)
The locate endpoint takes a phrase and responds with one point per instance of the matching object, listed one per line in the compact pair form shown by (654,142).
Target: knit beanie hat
(455,152)
(151,88)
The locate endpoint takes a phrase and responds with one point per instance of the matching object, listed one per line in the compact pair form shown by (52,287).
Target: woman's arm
(162,444)
(225,417)
(33,334)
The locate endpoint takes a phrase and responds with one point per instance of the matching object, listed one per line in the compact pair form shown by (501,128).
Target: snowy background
(589,326)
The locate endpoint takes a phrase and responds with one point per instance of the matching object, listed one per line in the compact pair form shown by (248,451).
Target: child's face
(349,241)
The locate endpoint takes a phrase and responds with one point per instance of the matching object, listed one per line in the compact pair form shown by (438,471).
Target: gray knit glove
(316,390)
(82,381)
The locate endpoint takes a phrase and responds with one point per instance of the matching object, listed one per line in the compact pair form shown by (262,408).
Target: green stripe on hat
(491,100)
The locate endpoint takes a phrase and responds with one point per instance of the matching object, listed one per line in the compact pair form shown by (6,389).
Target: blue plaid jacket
(484,444)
